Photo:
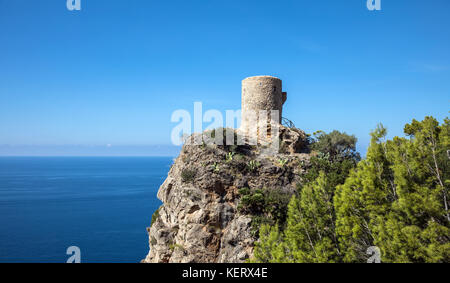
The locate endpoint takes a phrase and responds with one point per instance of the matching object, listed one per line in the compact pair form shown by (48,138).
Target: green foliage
(267,206)
(187,175)
(258,221)
(253,165)
(172,247)
(244,191)
(268,248)
(335,163)
(397,198)
(309,234)
(216,167)
(155,216)
(276,202)
(282,162)
(336,145)
(252,202)
(229,157)
(336,172)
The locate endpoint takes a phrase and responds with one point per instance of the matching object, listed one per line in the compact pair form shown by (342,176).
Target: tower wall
(261,93)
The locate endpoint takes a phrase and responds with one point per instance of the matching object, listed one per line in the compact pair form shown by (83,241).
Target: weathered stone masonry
(260,93)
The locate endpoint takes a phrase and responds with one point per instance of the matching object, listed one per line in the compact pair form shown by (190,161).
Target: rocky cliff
(208,213)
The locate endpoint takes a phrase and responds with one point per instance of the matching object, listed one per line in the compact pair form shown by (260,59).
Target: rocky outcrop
(200,219)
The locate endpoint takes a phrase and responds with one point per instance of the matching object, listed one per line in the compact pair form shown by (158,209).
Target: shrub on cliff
(309,234)
(267,206)
(187,175)
(155,216)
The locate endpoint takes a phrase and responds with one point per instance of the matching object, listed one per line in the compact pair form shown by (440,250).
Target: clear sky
(111,74)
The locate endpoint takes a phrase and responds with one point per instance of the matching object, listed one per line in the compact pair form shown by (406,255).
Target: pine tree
(310,234)
(397,198)
(270,247)
(361,200)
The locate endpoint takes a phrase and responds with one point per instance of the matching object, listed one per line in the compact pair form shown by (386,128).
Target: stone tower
(260,93)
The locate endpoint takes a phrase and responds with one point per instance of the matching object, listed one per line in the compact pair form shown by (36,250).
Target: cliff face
(200,220)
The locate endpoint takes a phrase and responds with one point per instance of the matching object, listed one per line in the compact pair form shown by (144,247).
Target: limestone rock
(200,220)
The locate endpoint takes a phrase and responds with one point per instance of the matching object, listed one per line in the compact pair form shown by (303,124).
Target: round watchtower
(260,93)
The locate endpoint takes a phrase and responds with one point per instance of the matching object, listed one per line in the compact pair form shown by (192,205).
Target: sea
(100,205)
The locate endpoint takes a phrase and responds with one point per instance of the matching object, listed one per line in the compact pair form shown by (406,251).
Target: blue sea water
(100,204)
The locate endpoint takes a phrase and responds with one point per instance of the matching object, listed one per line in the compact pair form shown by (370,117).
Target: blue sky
(113,73)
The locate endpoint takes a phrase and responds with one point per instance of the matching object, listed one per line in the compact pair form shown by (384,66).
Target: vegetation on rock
(314,201)
(266,206)
(187,175)
(309,234)
(395,199)
(155,216)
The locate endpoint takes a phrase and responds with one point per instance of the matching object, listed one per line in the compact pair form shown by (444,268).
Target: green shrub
(276,203)
(187,175)
(253,165)
(244,191)
(267,206)
(336,146)
(155,216)
(229,157)
(253,202)
(216,168)
(282,162)
(172,247)
(257,222)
